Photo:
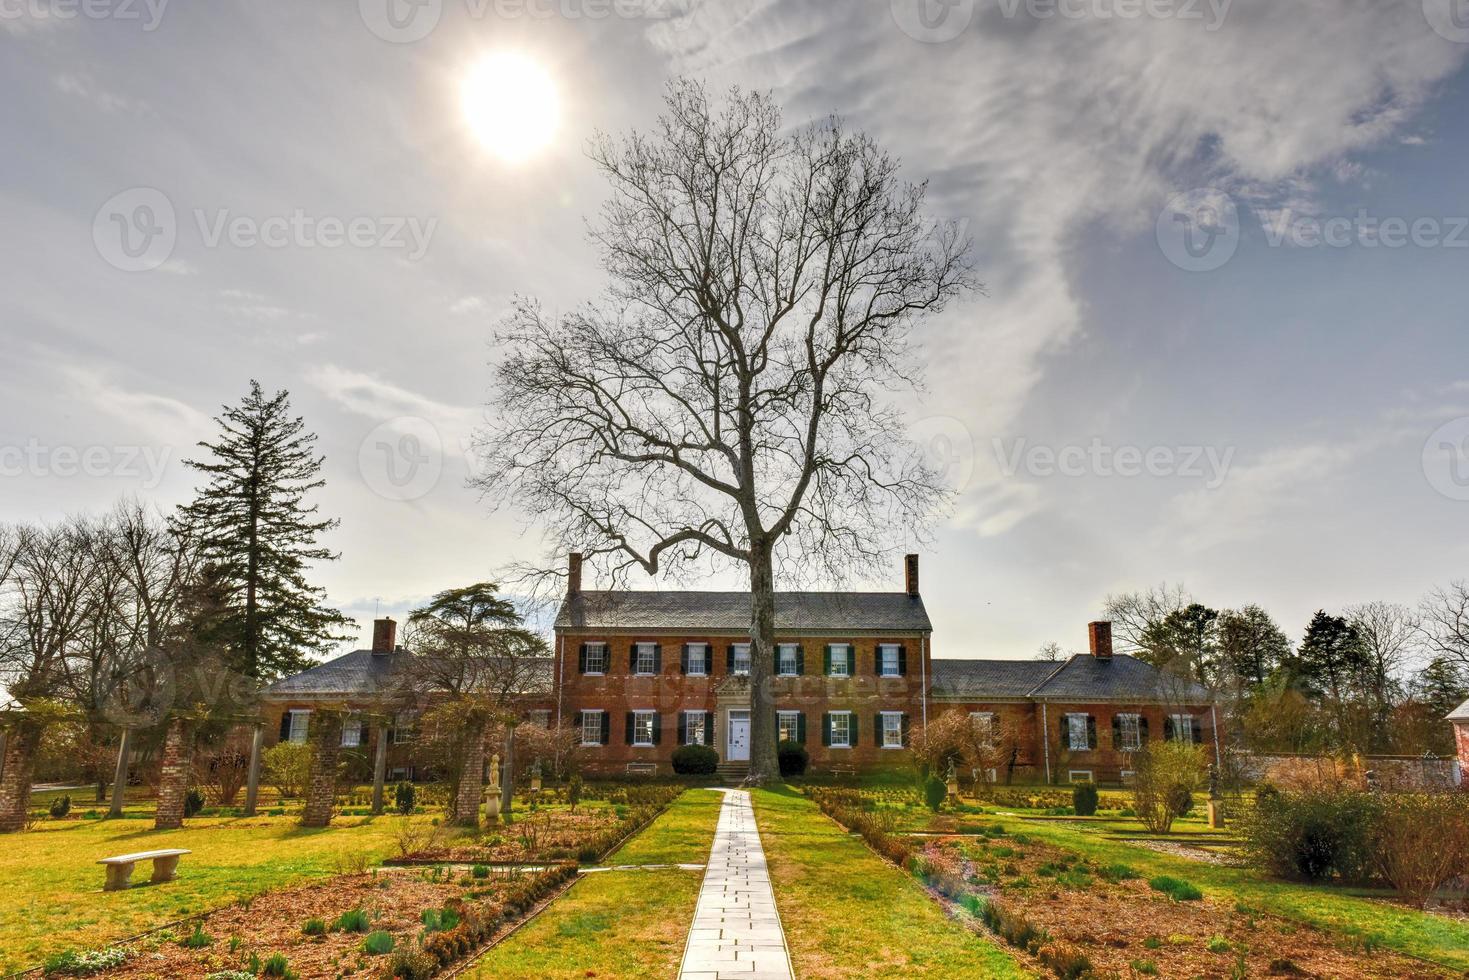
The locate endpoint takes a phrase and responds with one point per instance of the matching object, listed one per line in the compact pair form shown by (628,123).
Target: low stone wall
(1389,772)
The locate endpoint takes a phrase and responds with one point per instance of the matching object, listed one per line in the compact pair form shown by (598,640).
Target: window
(300,720)
(643,724)
(403,724)
(788,726)
(595,658)
(1078,736)
(591,727)
(697,658)
(351,733)
(1129,733)
(889,662)
(1126,775)
(1184,728)
(540,717)
(787,659)
(1079,775)
(892,729)
(839,662)
(741,660)
(695,728)
(985,724)
(645,658)
(841,729)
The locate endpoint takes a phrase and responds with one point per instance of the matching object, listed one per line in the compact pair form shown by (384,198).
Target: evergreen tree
(1185,637)
(260,535)
(1441,686)
(1251,646)
(1330,658)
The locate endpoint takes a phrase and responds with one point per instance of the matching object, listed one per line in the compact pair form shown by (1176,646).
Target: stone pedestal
(15,782)
(321,789)
(173,781)
(1216,814)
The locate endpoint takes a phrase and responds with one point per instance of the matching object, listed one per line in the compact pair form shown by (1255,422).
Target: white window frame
(883,649)
(640,717)
(1071,730)
(844,650)
(648,652)
(986,723)
(1126,774)
(404,723)
(1136,743)
(540,717)
(587,714)
(352,733)
(300,727)
(781,649)
(688,728)
(600,649)
(1086,775)
(784,718)
(846,742)
(1185,732)
(748,657)
(702,649)
(887,717)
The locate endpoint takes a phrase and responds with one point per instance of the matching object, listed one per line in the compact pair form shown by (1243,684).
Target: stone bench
(642,768)
(120,868)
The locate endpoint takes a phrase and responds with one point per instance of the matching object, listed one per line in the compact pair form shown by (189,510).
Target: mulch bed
(271,923)
(1123,923)
(547,836)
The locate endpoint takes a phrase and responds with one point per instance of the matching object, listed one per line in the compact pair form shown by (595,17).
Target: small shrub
(1312,835)
(1218,944)
(404,798)
(197,939)
(353,921)
(479,871)
(935,791)
(1175,888)
(793,758)
(84,963)
(411,964)
(1165,773)
(1065,959)
(230,975)
(60,807)
(1084,799)
(276,965)
(313,927)
(1117,872)
(695,760)
(1147,968)
(1421,841)
(288,768)
(378,943)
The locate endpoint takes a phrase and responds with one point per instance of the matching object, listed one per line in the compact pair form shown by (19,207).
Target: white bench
(120,868)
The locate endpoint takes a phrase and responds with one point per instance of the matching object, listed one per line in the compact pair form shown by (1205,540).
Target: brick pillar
(15,779)
(465,811)
(321,790)
(173,784)
(379,769)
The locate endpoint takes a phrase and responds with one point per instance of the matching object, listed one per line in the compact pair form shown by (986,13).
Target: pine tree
(260,535)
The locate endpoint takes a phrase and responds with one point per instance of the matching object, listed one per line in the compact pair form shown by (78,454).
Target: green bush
(353,921)
(193,802)
(288,768)
(411,964)
(276,965)
(479,871)
(378,943)
(197,939)
(1175,888)
(793,758)
(61,807)
(1164,781)
(1421,841)
(84,963)
(1084,799)
(1218,944)
(1312,835)
(404,798)
(313,927)
(695,760)
(935,791)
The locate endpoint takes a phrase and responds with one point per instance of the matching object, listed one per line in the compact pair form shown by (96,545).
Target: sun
(511,105)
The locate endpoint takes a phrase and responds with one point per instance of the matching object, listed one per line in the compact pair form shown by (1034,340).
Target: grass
(54,891)
(847,912)
(620,923)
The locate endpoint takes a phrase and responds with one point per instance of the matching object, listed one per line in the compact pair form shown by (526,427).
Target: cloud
(165,419)
(84,86)
(469,304)
(385,402)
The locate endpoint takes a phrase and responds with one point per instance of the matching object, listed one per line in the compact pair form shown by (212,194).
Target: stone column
(120,774)
(507,781)
(379,769)
(321,791)
(465,809)
(252,778)
(15,778)
(173,785)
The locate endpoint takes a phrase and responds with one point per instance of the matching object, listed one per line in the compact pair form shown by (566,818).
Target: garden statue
(492,791)
(535,776)
(952,779)
(1216,801)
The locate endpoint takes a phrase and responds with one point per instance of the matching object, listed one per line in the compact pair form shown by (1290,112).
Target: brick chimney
(573,573)
(384,636)
(1100,634)
(910,574)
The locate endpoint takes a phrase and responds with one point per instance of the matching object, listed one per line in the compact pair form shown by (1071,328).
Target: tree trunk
(321,793)
(173,783)
(507,776)
(15,779)
(120,775)
(252,778)
(764,766)
(465,810)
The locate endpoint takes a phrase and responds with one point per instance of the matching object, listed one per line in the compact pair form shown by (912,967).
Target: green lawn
(847,912)
(620,923)
(53,896)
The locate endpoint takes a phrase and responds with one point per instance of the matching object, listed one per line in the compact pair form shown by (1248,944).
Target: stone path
(736,931)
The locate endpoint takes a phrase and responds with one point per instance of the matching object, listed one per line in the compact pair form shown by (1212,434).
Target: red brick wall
(1461,742)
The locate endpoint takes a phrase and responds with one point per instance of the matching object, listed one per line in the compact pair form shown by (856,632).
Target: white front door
(737,748)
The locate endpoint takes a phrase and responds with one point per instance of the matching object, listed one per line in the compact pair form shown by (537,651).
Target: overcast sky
(1225,245)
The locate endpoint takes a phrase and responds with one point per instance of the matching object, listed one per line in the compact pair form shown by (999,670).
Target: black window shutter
(629,728)
(729,659)
(1167,728)
(1142,729)
(902,661)
(632,659)
(1091,732)
(1198,730)
(826,729)
(684,659)
(877,735)
(657,728)
(657,658)
(826,661)
(801,659)
(606,728)
(708,728)
(581,659)
(683,729)
(905,729)
(285,725)
(852,734)
(801,727)
(1116,732)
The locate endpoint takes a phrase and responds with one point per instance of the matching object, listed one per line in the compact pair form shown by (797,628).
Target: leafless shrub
(1422,842)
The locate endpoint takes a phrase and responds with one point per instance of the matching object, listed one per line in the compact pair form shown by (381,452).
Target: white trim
(305,715)
(637,714)
(795,649)
(651,649)
(734,666)
(849,659)
(795,719)
(701,714)
(885,715)
(606,651)
(353,725)
(708,649)
(847,736)
(1071,775)
(599,712)
(880,653)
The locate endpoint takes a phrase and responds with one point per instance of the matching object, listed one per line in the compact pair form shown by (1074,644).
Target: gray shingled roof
(360,673)
(1083,677)
(729,612)
(1461,713)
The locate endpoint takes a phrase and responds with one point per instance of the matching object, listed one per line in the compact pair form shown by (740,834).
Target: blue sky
(1312,375)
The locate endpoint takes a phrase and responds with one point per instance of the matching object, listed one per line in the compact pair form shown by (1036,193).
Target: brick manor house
(638,673)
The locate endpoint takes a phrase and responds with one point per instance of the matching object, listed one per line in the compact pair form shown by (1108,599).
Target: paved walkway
(736,931)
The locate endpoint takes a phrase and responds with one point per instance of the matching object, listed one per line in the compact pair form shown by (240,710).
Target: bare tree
(730,402)
(1136,616)
(1444,614)
(1390,634)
